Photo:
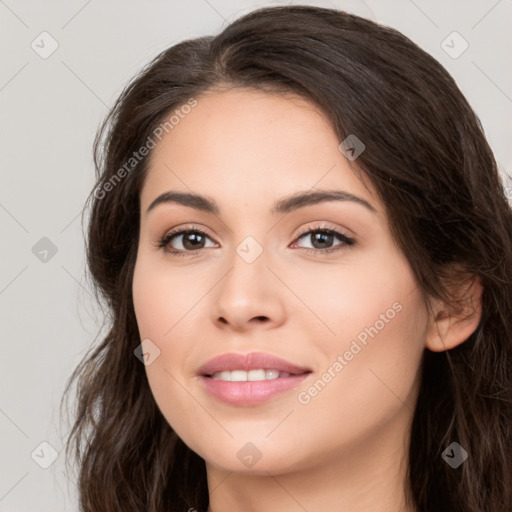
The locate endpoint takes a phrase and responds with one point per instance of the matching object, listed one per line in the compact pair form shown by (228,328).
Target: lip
(250,392)
(251,361)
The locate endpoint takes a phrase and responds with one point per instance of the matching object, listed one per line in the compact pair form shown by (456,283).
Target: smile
(251,376)
(249,379)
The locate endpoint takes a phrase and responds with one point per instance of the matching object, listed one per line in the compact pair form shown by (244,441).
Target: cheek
(347,298)
(162,296)
(378,321)
(167,309)
(381,346)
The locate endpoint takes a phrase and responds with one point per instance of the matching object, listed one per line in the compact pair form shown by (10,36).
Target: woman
(302,239)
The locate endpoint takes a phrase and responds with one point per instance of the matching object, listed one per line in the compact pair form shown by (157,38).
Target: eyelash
(347,241)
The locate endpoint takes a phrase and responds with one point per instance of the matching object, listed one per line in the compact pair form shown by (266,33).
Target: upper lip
(251,361)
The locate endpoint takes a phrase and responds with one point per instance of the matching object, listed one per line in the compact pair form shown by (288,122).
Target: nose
(249,296)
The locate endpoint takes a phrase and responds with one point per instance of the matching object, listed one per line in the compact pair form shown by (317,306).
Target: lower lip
(249,393)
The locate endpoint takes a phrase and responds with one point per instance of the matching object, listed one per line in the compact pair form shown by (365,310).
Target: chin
(249,458)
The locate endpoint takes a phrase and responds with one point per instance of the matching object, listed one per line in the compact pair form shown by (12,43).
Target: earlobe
(452,325)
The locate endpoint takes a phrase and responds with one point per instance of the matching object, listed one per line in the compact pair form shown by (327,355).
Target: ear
(452,324)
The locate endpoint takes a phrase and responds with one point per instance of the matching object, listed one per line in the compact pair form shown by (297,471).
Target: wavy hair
(426,155)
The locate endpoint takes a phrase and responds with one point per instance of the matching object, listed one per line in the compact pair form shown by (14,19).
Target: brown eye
(322,239)
(183,241)
(192,240)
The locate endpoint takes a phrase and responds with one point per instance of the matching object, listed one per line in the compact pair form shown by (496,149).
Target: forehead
(250,146)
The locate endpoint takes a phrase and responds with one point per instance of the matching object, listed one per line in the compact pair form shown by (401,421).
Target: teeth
(251,375)
(222,376)
(273,374)
(238,376)
(256,375)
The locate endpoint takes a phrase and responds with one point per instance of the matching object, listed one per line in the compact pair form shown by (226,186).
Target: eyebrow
(284,205)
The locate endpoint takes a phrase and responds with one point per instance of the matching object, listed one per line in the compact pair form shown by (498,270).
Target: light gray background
(51,109)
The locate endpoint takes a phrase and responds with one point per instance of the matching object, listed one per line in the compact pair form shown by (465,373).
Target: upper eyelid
(323,226)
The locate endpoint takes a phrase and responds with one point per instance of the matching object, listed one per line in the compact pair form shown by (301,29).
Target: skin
(346,449)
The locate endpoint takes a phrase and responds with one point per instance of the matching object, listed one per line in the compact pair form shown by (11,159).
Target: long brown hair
(426,155)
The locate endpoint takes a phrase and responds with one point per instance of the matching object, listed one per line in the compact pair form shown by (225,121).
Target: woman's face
(351,321)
